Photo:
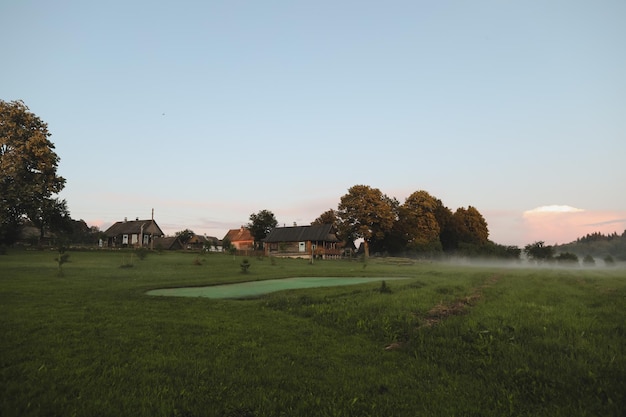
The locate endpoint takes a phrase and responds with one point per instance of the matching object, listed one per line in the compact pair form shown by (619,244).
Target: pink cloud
(564,224)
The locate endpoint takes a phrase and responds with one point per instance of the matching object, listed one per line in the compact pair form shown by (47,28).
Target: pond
(255,288)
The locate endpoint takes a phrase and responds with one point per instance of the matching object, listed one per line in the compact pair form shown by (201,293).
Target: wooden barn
(319,241)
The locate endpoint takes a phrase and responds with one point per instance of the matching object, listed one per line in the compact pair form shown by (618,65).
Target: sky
(209,111)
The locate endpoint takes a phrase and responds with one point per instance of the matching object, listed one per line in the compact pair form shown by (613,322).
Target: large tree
(471,226)
(260,225)
(366,213)
(51,214)
(327,217)
(539,251)
(418,222)
(28,169)
(184,235)
(447,230)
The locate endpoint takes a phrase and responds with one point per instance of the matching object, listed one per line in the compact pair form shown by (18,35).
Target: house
(167,243)
(319,241)
(134,233)
(31,235)
(240,238)
(199,242)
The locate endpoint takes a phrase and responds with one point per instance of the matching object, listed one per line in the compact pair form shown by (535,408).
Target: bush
(384,289)
(245,265)
(567,258)
(589,261)
(141,253)
(61,259)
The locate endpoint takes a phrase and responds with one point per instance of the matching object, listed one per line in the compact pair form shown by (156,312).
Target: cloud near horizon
(558,224)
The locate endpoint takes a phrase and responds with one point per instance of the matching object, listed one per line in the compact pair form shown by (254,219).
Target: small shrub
(61,259)
(245,265)
(567,258)
(609,261)
(384,288)
(589,261)
(198,261)
(141,253)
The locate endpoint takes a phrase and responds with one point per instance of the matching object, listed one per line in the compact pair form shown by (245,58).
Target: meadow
(451,340)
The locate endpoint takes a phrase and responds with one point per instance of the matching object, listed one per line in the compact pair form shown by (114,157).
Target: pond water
(255,288)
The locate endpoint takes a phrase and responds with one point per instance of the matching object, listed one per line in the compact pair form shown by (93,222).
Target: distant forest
(597,245)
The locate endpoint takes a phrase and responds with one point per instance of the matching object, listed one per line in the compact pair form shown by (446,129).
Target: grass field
(448,341)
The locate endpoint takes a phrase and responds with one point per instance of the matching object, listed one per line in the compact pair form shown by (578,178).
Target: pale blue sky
(208,111)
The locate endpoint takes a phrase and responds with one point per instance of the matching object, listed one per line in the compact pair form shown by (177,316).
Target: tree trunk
(41,235)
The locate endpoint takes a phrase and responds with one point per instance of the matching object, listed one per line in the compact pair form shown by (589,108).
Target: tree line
(420,226)
(598,245)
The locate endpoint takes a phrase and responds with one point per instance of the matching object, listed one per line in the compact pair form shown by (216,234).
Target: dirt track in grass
(458,306)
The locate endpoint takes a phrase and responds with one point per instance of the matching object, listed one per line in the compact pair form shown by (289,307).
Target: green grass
(524,342)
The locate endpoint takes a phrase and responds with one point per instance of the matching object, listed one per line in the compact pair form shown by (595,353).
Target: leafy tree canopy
(184,235)
(417,220)
(539,251)
(327,217)
(472,227)
(260,225)
(366,213)
(28,167)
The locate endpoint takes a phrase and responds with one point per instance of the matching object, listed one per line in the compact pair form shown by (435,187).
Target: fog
(526,263)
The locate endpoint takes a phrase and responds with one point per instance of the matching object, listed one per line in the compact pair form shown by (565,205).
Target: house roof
(320,232)
(213,240)
(204,239)
(239,235)
(134,226)
(168,243)
(197,239)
